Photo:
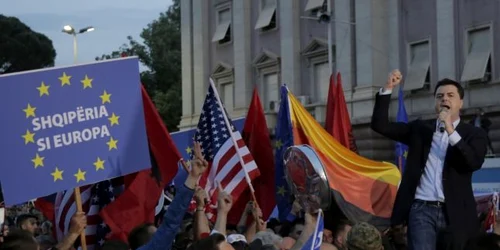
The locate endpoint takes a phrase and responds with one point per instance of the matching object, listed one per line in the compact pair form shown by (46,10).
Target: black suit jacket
(461,160)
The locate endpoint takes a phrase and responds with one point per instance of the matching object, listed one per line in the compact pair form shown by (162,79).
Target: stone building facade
(263,43)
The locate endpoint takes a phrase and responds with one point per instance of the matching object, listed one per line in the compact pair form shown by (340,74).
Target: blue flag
(314,242)
(69,127)
(284,139)
(401,149)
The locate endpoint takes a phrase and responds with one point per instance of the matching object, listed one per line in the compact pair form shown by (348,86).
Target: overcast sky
(114,20)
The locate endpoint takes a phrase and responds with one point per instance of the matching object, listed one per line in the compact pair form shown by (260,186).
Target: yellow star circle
(114,119)
(112,144)
(30,111)
(29,137)
(99,164)
(65,79)
(57,174)
(38,161)
(105,97)
(43,89)
(87,82)
(80,175)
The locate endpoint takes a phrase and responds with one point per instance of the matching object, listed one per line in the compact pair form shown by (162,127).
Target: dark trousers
(425,223)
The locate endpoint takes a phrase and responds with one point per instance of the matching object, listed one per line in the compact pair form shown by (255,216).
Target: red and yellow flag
(364,189)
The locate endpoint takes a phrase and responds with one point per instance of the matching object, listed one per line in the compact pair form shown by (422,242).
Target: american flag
(94,198)
(214,135)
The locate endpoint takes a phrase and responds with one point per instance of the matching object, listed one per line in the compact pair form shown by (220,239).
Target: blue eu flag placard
(68,127)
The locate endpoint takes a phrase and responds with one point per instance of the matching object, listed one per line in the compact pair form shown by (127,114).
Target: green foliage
(22,48)
(169,105)
(161,54)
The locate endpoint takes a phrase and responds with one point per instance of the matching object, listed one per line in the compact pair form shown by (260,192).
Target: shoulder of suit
(472,129)
(426,122)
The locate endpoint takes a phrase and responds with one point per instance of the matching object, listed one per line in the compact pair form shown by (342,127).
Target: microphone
(441,126)
(441,123)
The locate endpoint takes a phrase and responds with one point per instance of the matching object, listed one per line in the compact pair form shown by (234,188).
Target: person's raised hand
(249,208)
(256,212)
(394,79)
(261,225)
(201,198)
(198,165)
(224,200)
(78,223)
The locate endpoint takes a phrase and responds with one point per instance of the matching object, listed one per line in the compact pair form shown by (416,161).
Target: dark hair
(140,236)
(210,243)
(114,245)
(272,223)
(23,217)
(182,241)
(240,245)
(447,81)
(339,226)
(19,240)
(299,221)
(268,247)
(231,227)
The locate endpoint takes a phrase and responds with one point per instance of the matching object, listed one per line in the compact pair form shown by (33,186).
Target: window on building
(223,31)
(227,96)
(267,16)
(271,92)
(314,4)
(321,81)
(478,52)
(419,62)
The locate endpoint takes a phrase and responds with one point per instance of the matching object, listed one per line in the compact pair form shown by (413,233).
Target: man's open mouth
(445,106)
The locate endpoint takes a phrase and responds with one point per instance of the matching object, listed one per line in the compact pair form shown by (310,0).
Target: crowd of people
(195,232)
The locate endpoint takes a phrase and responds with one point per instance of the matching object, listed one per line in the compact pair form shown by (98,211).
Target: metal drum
(306,177)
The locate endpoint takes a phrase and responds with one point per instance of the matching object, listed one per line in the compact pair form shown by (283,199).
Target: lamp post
(68,29)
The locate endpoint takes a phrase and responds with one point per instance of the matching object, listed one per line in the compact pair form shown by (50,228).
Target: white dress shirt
(431,181)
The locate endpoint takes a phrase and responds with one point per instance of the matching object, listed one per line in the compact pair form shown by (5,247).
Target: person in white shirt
(435,194)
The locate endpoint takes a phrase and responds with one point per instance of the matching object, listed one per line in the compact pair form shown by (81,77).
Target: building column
(344,44)
(187,62)
(201,53)
(289,25)
(394,17)
(242,35)
(445,18)
(372,54)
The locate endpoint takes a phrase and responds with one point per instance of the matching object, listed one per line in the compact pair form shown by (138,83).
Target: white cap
(235,238)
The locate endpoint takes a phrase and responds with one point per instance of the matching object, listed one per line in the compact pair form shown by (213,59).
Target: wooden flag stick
(79,208)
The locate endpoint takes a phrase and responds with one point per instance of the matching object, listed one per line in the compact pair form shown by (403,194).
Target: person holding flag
(313,232)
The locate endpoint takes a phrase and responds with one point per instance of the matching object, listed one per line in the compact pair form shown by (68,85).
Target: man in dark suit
(435,193)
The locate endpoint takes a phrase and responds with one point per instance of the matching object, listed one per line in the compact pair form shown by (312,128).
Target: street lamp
(68,29)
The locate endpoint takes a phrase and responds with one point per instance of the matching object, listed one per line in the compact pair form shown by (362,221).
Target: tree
(22,48)
(161,54)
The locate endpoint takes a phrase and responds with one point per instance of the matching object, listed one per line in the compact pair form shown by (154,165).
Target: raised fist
(394,79)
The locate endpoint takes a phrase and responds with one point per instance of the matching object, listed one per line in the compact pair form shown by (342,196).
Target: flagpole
(400,163)
(320,214)
(76,191)
(228,126)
